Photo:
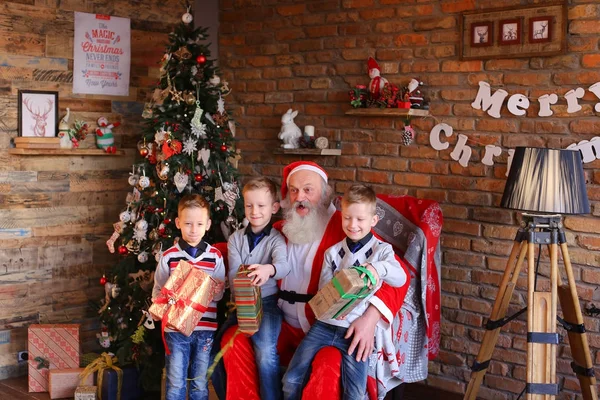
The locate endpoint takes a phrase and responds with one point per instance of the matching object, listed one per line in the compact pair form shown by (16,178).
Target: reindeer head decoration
(39,129)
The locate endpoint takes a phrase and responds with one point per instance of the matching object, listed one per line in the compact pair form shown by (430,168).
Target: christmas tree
(187,147)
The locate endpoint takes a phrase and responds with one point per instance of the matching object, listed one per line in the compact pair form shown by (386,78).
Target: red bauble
(201,59)
(198,177)
(223,147)
(103,280)
(123,250)
(167,221)
(144,152)
(161,231)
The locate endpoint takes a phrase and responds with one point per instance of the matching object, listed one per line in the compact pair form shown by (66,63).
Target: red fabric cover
(242,374)
(414,210)
(222,247)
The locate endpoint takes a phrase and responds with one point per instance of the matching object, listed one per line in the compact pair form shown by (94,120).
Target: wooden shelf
(63,152)
(388,112)
(310,152)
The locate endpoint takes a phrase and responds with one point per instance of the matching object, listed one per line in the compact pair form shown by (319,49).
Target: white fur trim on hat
(307,168)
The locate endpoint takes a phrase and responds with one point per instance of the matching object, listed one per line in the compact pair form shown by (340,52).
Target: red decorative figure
(377,82)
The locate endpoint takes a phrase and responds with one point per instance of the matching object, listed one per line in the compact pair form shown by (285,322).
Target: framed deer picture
(515,31)
(38,113)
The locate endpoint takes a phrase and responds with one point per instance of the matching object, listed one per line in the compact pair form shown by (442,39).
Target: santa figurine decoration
(377,82)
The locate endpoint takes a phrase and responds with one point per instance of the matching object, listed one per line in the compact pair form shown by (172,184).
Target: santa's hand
(260,273)
(362,331)
(373,271)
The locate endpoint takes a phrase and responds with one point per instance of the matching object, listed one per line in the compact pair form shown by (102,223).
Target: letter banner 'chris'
(101,54)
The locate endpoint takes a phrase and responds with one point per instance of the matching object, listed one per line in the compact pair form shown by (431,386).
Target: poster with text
(101,54)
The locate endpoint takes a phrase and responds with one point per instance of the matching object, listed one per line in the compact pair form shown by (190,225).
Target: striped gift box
(57,346)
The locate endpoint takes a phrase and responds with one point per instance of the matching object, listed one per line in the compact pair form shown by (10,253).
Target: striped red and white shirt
(208,259)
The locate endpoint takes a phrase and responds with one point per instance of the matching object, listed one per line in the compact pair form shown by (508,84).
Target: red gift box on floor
(51,346)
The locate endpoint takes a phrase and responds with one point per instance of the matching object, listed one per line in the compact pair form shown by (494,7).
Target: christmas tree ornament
(230,195)
(142,257)
(214,80)
(157,251)
(139,235)
(115,291)
(189,98)
(133,178)
(153,235)
(142,148)
(198,128)
(221,105)
(231,126)
(144,182)
(198,177)
(176,96)
(187,17)
(189,146)
(225,90)
(181,181)
(183,53)
(408,135)
(110,243)
(149,323)
(162,169)
(162,228)
(148,112)
(161,135)
(123,250)
(204,156)
(201,59)
(103,280)
(125,216)
(104,338)
(223,147)
(219,194)
(164,62)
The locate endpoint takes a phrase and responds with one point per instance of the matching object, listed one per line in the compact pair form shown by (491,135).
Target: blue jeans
(264,343)
(189,358)
(354,373)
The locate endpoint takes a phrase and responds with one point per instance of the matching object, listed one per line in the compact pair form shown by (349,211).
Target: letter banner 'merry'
(101,54)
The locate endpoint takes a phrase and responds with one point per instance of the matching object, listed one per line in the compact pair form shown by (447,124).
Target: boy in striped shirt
(190,354)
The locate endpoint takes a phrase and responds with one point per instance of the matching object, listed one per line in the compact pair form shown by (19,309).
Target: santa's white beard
(305,229)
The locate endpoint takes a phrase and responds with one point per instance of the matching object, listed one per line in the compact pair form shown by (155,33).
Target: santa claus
(377,82)
(311,225)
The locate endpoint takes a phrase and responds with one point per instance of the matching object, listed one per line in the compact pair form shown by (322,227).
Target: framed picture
(509,31)
(38,113)
(515,31)
(540,29)
(481,34)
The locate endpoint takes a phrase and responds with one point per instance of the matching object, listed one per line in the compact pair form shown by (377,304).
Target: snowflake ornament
(189,146)
(221,105)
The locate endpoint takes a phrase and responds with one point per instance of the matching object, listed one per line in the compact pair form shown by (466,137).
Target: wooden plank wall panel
(57,212)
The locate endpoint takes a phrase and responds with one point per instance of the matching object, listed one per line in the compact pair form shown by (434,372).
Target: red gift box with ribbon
(184,298)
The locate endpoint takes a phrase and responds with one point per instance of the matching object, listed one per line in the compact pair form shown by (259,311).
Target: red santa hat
(372,64)
(299,166)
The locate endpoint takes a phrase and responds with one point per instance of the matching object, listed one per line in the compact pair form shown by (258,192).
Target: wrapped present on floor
(129,385)
(63,382)
(86,393)
(339,297)
(51,346)
(248,302)
(113,382)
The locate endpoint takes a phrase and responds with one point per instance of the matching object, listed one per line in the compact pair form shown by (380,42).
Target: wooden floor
(16,389)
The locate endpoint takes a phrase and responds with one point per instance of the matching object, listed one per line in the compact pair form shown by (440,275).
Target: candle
(309,130)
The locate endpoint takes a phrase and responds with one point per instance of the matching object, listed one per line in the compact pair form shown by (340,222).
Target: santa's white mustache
(302,204)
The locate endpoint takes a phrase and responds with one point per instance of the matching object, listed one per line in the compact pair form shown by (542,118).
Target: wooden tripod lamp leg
(490,337)
(541,334)
(582,360)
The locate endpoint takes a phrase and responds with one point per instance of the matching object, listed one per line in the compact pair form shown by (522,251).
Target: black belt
(293,297)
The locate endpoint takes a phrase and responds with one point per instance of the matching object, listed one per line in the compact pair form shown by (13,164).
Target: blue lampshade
(546,181)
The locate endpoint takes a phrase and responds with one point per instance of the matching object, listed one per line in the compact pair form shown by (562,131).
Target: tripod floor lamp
(545,184)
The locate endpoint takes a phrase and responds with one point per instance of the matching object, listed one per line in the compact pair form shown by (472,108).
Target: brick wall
(56,212)
(307,55)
